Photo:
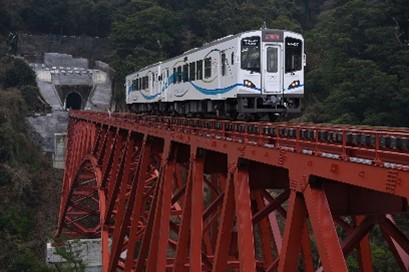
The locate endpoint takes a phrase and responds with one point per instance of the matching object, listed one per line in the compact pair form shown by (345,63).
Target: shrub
(32,96)
(28,262)
(7,143)
(19,74)
(16,221)
(5,175)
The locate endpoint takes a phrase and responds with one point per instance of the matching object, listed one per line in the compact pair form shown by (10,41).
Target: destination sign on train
(270,36)
(251,41)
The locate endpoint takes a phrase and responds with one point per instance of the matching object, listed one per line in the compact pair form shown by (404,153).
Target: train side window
(208,67)
(174,76)
(179,74)
(232,58)
(199,69)
(224,61)
(192,68)
(186,73)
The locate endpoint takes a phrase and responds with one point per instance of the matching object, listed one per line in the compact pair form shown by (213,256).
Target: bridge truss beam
(175,194)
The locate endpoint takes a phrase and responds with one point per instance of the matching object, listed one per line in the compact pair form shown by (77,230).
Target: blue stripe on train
(204,91)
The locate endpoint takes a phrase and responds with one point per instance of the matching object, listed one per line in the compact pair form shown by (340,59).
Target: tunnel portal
(73,101)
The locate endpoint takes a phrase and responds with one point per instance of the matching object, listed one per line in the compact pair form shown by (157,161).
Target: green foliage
(145,33)
(66,249)
(5,175)
(12,108)
(382,256)
(13,145)
(64,17)
(16,221)
(32,97)
(9,18)
(365,91)
(19,74)
(22,183)
(28,262)
(358,70)
(7,143)
(357,73)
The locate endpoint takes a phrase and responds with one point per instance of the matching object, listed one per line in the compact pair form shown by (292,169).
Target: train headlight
(248,83)
(294,84)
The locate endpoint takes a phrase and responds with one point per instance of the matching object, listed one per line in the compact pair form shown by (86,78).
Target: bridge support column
(323,227)
(293,233)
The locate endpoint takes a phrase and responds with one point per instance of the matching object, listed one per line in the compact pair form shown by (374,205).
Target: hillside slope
(29,187)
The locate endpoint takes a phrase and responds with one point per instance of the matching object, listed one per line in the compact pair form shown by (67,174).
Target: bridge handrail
(379,146)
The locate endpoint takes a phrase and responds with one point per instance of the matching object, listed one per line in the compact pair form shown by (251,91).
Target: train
(253,73)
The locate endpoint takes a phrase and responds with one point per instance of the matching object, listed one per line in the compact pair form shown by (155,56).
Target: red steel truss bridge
(183,194)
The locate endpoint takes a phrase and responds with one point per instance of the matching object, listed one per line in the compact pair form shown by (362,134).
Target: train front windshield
(293,55)
(250,54)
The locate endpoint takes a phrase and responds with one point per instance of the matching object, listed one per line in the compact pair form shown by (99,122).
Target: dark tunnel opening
(73,101)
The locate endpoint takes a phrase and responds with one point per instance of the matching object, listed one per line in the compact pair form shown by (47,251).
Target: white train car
(254,72)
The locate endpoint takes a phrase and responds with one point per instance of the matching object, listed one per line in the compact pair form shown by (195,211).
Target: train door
(156,83)
(271,79)
(162,84)
(150,83)
(223,70)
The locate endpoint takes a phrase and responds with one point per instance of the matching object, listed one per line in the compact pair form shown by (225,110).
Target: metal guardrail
(379,146)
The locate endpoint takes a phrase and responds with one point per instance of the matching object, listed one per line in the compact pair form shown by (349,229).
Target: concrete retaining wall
(88,250)
(58,59)
(34,46)
(59,150)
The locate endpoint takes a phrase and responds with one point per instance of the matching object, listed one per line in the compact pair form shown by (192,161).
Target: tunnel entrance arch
(73,100)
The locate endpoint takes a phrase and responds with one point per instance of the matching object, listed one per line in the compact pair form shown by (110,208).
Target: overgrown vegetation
(357,73)
(29,187)
(357,51)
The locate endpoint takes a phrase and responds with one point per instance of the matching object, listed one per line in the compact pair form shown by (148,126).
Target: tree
(28,262)
(19,74)
(354,69)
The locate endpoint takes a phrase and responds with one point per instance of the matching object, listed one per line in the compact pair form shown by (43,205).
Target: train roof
(230,37)
(227,38)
